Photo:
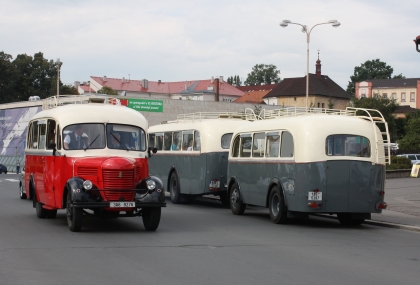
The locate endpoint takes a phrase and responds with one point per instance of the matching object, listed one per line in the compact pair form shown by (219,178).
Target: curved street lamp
(285,23)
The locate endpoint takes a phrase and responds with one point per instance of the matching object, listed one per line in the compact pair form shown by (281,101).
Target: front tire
(276,206)
(174,189)
(74,215)
(21,194)
(235,201)
(151,218)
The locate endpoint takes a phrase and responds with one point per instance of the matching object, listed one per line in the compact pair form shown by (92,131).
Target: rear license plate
(315,196)
(122,204)
(214,184)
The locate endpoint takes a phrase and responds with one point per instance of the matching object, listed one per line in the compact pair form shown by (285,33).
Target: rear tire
(224,198)
(174,189)
(41,213)
(74,215)
(276,206)
(21,194)
(151,218)
(235,201)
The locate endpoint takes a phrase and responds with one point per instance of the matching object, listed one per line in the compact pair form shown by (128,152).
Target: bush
(399,162)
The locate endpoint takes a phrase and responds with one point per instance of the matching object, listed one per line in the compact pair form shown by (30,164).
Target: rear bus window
(347,145)
(287,148)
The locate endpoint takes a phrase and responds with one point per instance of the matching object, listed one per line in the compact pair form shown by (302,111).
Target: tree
(234,80)
(68,90)
(107,90)
(385,106)
(411,141)
(371,69)
(263,73)
(7,74)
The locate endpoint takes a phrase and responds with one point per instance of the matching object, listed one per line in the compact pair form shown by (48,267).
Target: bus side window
(167,141)
(58,137)
(246,143)
(187,140)
(197,140)
(42,135)
(287,148)
(258,148)
(272,145)
(176,141)
(152,140)
(159,141)
(50,133)
(34,135)
(226,138)
(235,147)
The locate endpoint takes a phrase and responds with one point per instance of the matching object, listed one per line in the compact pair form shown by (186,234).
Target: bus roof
(94,112)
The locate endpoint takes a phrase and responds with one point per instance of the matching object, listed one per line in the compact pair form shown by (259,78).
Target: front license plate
(122,204)
(315,196)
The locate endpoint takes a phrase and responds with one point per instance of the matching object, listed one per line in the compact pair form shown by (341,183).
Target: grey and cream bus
(298,162)
(193,151)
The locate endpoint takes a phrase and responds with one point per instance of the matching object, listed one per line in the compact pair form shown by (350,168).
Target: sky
(195,40)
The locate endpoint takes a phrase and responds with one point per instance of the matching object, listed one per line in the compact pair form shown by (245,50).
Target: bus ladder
(377,121)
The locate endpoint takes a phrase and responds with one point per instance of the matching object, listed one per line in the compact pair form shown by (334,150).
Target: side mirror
(53,146)
(151,149)
(154,150)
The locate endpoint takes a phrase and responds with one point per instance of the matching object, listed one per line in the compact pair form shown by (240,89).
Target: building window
(322,105)
(385,96)
(318,105)
(403,97)
(394,96)
(363,95)
(412,97)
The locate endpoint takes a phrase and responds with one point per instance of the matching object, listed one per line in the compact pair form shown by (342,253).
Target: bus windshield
(81,136)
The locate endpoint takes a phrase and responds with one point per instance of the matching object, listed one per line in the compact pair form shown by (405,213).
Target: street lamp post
(58,62)
(285,23)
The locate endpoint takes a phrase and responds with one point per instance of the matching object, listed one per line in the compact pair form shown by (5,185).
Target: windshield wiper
(118,141)
(91,142)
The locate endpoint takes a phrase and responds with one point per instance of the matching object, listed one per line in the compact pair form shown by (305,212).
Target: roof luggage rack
(248,115)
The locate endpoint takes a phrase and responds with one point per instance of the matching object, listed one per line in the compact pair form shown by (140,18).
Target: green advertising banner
(145,105)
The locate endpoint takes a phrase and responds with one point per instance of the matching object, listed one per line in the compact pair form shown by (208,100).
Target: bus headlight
(151,185)
(87,184)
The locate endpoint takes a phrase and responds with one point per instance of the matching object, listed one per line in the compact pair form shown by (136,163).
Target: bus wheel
(74,215)
(21,194)
(276,206)
(174,189)
(151,218)
(346,220)
(40,212)
(236,205)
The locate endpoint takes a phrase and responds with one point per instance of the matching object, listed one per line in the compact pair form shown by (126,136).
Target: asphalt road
(199,243)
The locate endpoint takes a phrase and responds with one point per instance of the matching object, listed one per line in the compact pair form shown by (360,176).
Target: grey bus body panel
(347,186)
(194,171)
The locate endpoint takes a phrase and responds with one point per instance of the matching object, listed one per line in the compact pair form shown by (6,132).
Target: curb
(380,224)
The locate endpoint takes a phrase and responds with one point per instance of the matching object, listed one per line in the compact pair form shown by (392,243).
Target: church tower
(318,67)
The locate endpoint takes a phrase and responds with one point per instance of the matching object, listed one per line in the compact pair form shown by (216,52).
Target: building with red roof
(323,92)
(214,89)
(254,94)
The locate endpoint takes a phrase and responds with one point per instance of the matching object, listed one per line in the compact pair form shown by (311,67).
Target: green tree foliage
(68,90)
(411,140)
(371,69)
(234,80)
(385,106)
(107,90)
(26,76)
(263,74)
(6,78)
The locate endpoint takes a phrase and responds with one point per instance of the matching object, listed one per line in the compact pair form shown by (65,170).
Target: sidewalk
(403,198)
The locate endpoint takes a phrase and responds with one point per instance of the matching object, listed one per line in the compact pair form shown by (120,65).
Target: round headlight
(151,184)
(87,184)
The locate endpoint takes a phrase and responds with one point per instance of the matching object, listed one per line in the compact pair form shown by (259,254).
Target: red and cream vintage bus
(91,159)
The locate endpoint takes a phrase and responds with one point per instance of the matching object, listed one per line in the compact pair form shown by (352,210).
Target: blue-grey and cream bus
(298,162)
(193,151)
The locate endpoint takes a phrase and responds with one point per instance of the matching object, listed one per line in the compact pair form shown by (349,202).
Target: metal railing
(61,100)
(248,115)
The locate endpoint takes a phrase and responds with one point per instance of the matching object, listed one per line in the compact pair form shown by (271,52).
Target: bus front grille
(115,180)
(87,171)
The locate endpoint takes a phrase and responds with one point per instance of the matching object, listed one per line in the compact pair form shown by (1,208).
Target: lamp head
(336,24)
(283,24)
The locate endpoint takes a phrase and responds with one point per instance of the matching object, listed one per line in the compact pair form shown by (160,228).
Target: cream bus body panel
(195,169)
(347,183)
